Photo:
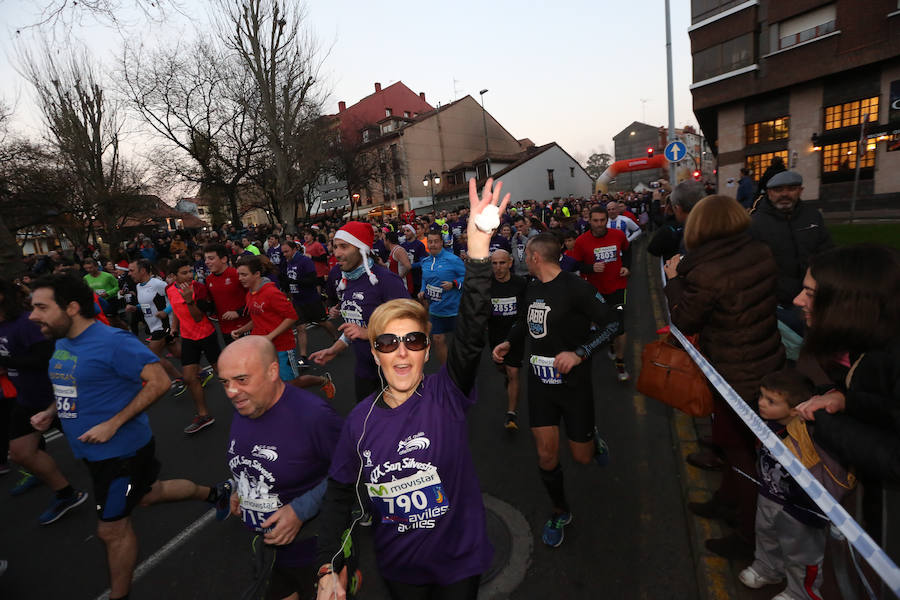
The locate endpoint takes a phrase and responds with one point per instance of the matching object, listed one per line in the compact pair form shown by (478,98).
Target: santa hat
(361,236)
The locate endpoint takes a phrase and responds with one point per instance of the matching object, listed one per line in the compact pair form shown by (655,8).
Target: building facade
(633,142)
(814,82)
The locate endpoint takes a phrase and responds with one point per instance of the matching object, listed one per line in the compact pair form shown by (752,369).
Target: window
(571,171)
(807,26)
(388,112)
(758,163)
(406,113)
(768,131)
(481,171)
(550,183)
(723,58)
(838,158)
(851,113)
(365,135)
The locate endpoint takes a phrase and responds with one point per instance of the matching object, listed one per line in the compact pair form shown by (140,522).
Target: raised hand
(479,242)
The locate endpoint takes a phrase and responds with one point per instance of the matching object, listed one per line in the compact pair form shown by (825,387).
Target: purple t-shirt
(357,303)
(32,385)
(294,270)
(275,255)
(282,455)
(419,477)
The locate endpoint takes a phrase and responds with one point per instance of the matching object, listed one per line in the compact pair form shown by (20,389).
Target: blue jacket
(446,266)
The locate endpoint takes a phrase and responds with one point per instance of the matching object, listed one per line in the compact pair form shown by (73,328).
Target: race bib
(434,292)
(256,503)
(352,313)
(66,401)
(605,254)
(543,368)
(147,310)
(294,289)
(414,502)
(504,307)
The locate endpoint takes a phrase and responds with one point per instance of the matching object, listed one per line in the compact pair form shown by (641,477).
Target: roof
(495,156)
(636,125)
(156,210)
(371,109)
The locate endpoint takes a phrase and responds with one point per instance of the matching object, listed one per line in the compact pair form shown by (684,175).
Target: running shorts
(442,324)
(192,349)
(311,312)
(20,421)
(121,482)
(570,400)
(287,365)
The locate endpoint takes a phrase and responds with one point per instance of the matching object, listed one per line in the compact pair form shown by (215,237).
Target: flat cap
(785,178)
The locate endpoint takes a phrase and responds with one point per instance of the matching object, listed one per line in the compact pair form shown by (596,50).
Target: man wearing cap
(356,286)
(794,232)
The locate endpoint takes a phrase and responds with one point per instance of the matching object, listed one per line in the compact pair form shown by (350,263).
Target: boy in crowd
(790,533)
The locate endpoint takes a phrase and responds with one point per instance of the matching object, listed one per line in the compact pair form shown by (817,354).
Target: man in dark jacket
(745,189)
(794,232)
(667,242)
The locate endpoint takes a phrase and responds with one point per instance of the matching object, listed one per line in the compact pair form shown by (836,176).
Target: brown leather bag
(669,375)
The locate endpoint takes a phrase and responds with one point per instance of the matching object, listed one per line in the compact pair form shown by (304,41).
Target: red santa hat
(359,235)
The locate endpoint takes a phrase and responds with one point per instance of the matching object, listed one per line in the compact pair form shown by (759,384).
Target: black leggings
(465,589)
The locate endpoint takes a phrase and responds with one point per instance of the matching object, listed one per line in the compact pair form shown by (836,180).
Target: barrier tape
(880,562)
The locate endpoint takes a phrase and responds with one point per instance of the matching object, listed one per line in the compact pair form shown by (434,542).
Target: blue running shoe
(61,506)
(206,376)
(223,499)
(553,529)
(601,450)
(25,483)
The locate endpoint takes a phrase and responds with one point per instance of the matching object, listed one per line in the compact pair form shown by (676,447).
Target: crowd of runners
(543,287)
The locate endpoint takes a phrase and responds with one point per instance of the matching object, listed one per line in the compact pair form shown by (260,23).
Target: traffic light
(696,175)
(650,152)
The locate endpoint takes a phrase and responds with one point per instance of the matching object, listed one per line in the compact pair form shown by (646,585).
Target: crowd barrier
(840,519)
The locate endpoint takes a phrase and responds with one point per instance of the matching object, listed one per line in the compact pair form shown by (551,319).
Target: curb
(715,580)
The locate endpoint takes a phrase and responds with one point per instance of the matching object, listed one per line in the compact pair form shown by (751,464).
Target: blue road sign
(675,151)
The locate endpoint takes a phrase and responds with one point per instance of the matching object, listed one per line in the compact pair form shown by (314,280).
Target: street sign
(675,151)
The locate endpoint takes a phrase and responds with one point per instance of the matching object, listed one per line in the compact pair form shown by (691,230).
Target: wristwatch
(581,352)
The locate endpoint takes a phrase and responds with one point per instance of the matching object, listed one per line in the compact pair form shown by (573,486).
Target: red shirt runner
(228,294)
(314,251)
(606,249)
(190,329)
(268,307)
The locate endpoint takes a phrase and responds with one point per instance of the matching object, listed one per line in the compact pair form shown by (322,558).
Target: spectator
(745,189)
(724,290)
(794,232)
(849,301)
(775,167)
(668,240)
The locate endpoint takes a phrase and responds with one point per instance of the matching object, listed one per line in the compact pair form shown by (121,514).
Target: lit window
(758,163)
(841,157)
(851,113)
(768,131)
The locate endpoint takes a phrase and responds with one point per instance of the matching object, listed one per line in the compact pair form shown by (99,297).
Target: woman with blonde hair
(403,455)
(724,290)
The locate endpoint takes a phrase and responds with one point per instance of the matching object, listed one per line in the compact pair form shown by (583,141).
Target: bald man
(507,294)
(619,221)
(282,439)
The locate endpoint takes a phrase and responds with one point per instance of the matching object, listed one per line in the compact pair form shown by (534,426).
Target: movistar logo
(378,491)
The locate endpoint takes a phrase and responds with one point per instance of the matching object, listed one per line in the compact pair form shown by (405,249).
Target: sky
(571,71)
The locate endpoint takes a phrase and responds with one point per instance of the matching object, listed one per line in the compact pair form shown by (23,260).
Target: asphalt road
(629,538)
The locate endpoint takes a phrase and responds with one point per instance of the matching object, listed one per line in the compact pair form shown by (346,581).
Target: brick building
(804,80)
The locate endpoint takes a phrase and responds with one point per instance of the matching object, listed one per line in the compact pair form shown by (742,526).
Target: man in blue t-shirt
(103,380)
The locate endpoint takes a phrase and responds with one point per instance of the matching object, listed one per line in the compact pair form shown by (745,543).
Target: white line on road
(170,547)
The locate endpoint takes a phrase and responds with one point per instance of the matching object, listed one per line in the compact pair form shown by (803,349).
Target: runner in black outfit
(507,299)
(558,314)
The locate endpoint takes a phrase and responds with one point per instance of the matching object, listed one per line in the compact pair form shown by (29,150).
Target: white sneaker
(623,376)
(752,579)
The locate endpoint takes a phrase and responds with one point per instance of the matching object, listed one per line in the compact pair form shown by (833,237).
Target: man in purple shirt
(279,451)
(356,286)
(300,286)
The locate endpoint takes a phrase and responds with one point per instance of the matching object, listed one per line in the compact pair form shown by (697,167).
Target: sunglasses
(388,342)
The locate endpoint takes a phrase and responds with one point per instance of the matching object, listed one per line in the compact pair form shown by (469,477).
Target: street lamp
(487,149)
(355,200)
(434,180)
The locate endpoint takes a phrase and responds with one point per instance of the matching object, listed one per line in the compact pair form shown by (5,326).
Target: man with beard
(104,379)
(356,286)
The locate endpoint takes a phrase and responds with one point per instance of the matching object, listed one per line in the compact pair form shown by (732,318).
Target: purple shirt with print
(357,303)
(33,385)
(295,269)
(420,479)
(279,456)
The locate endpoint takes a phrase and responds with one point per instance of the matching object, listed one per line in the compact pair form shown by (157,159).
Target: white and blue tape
(840,518)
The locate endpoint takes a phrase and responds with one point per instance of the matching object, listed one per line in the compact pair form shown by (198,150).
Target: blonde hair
(401,308)
(714,218)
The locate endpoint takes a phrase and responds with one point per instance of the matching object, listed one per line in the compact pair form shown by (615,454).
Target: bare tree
(64,14)
(272,41)
(84,129)
(204,106)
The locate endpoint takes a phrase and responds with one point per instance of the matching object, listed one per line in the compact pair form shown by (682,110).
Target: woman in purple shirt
(407,447)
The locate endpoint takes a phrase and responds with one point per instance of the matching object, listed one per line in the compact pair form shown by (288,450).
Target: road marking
(508,579)
(170,547)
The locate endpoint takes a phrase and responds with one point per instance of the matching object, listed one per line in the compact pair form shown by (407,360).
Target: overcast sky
(572,71)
